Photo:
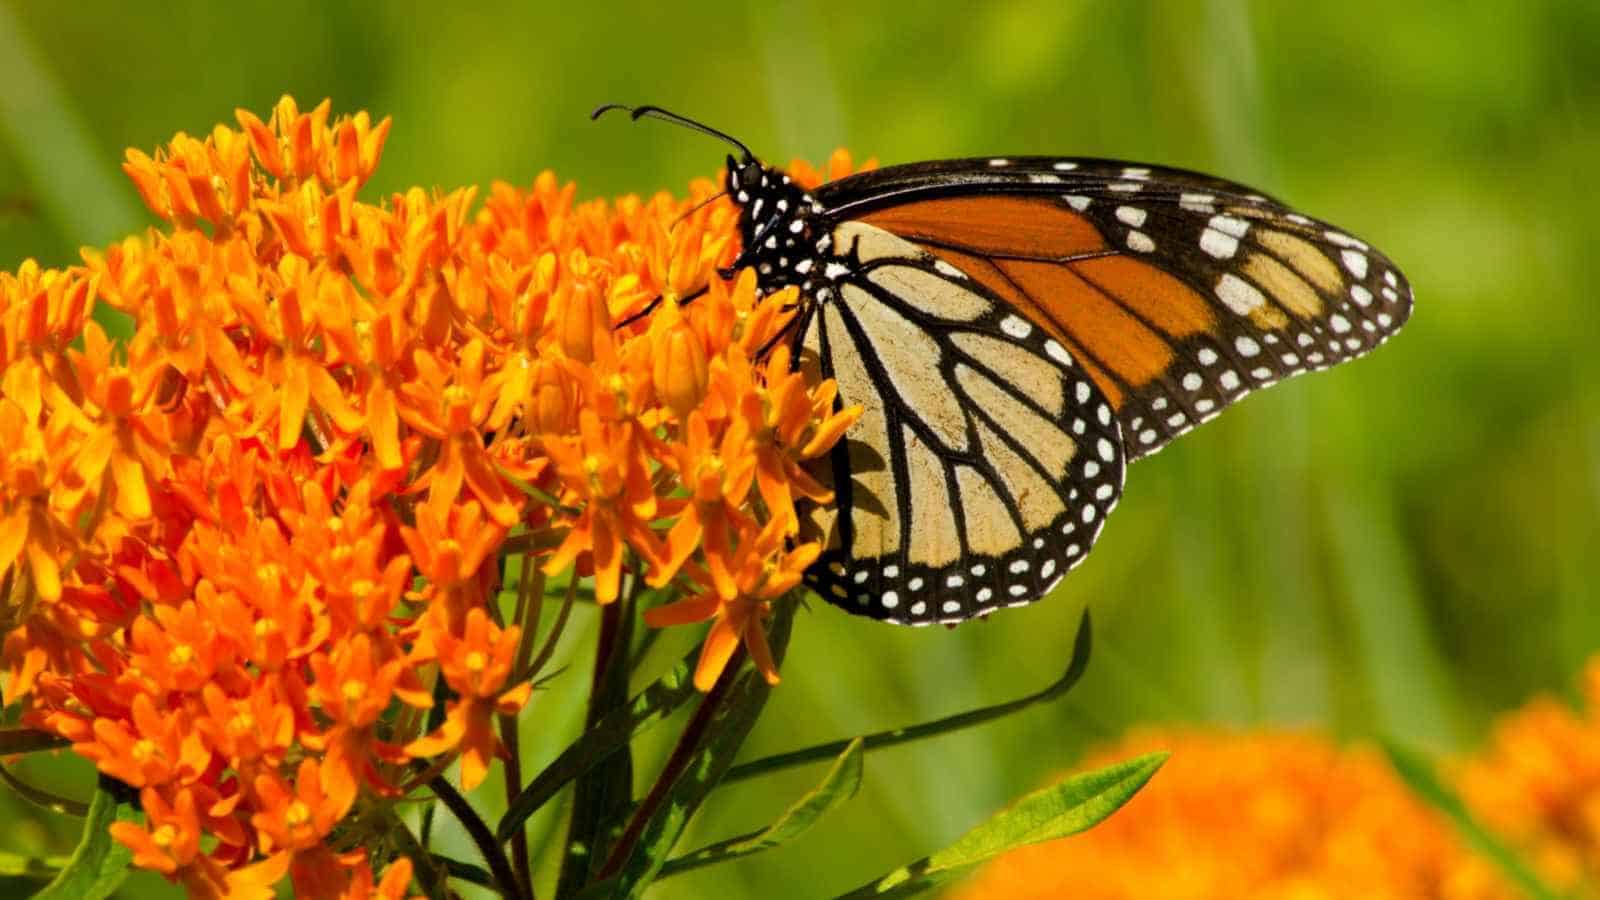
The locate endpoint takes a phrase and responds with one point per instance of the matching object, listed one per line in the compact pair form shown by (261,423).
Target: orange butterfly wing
(1177,293)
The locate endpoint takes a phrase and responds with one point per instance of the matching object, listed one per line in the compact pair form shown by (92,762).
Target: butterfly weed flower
(249,549)
(1538,783)
(1259,814)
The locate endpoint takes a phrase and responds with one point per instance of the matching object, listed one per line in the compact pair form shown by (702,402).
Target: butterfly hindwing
(985,461)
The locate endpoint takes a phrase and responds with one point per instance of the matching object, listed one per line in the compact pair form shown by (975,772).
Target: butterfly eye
(743,176)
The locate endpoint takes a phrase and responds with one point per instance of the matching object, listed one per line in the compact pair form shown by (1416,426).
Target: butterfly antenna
(656,112)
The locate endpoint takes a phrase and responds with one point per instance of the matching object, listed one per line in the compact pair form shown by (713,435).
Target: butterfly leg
(651,306)
(787,330)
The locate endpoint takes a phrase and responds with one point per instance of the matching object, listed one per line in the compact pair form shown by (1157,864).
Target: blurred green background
(1405,546)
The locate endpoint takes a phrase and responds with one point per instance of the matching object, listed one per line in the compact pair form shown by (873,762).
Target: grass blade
(1069,807)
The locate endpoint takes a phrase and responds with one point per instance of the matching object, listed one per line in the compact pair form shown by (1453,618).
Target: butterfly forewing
(1179,292)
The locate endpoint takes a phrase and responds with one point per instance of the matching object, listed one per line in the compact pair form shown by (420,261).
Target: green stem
(688,743)
(43,798)
(608,787)
(548,648)
(505,877)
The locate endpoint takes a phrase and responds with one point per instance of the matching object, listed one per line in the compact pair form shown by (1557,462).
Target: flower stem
(530,604)
(682,754)
(601,793)
(504,876)
(513,779)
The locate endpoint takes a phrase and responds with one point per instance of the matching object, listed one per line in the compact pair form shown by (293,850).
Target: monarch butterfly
(1018,330)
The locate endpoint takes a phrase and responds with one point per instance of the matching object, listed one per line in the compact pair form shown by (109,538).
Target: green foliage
(27,740)
(729,724)
(838,785)
(613,732)
(1076,665)
(99,864)
(1069,807)
(15,865)
(1420,777)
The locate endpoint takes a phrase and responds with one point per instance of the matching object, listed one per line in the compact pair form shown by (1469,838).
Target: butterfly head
(779,223)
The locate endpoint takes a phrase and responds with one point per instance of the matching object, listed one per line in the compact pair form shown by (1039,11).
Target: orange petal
(292,407)
(447,738)
(755,640)
(719,646)
(46,571)
(512,701)
(684,612)
(13,535)
(133,495)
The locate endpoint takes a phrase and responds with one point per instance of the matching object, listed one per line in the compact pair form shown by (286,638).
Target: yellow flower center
(180,654)
(264,627)
(164,837)
(219,185)
(143,749)
(476,662)
(243,723)
(297,814)
(353,690)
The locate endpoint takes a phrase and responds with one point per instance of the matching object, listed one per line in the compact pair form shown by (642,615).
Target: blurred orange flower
(1252,815)
(1538,783)
(1291,815)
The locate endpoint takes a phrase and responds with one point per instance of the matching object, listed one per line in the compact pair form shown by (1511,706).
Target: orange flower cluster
(1538,783)
(1274,816)
(240,549)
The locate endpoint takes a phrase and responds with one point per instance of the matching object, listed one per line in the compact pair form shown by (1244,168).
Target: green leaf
(1081,646)
(15,865)
(614,732)
(99,864)
(840,784)
(1420,777)
(727,730)
(1066,808)
(28,740)
(465,871)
